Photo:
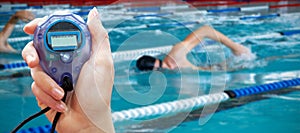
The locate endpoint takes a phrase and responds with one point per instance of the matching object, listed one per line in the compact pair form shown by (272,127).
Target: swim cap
(145,63)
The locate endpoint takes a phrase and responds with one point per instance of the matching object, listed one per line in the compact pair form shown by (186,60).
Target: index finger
(30,27)
(30,55)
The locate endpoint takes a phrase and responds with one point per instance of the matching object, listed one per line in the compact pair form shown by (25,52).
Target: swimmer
(176,58)
(23,15)
(98,70)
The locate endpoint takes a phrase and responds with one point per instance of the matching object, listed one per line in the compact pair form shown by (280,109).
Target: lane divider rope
(129,54)
(200,101)
(13,65)
(169,107)
(10,8)
(189,104)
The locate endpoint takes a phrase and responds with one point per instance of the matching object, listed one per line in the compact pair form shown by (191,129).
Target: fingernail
(29,58)
(62,107)
(57,93)
(95,12)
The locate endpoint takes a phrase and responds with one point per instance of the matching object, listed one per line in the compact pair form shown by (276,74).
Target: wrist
(91,129)
(13,19)
(81,129)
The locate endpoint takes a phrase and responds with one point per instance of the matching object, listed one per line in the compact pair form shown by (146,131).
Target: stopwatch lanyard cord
(67,86)
(30,118)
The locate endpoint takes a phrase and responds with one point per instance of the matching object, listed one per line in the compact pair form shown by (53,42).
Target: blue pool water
(278,58)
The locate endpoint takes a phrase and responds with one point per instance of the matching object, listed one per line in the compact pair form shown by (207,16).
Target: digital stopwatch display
(64,36)
(63,43)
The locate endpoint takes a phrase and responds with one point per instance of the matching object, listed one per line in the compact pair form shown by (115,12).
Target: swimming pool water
(277,59)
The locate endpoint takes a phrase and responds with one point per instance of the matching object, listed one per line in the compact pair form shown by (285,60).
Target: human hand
(24,15)
(240,49)
(88,109)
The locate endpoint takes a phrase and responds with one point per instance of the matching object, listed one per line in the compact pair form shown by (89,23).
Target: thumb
(100,43)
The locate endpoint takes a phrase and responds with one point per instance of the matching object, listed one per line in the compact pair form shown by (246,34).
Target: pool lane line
(223,10)
(251,17)
(175,24)
(19,39)
(241,3)
(232,9)
(172,24)
(21,6)
(187,104)
(11,8)
(289,32)
(165,14)
(273,15)
(131,54)
(120,55)
(225,3)
(190,104)
(152,3)
(38,129)
(285,5)
(203,113)
(237,93)
(13,65)
(15,7)
(153,15)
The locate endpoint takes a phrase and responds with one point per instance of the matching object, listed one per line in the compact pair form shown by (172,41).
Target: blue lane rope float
(82,13)
(14,65)
(234,9)
(262,88)
(188,104)
(289,32)
(39,129)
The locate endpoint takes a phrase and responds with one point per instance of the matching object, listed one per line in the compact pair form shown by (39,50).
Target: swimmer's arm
(216,67)
(8,28)
(204,68)
(198,35)
(19,15)
(200,68)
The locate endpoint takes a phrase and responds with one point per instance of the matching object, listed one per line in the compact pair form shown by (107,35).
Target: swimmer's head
(146,63)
